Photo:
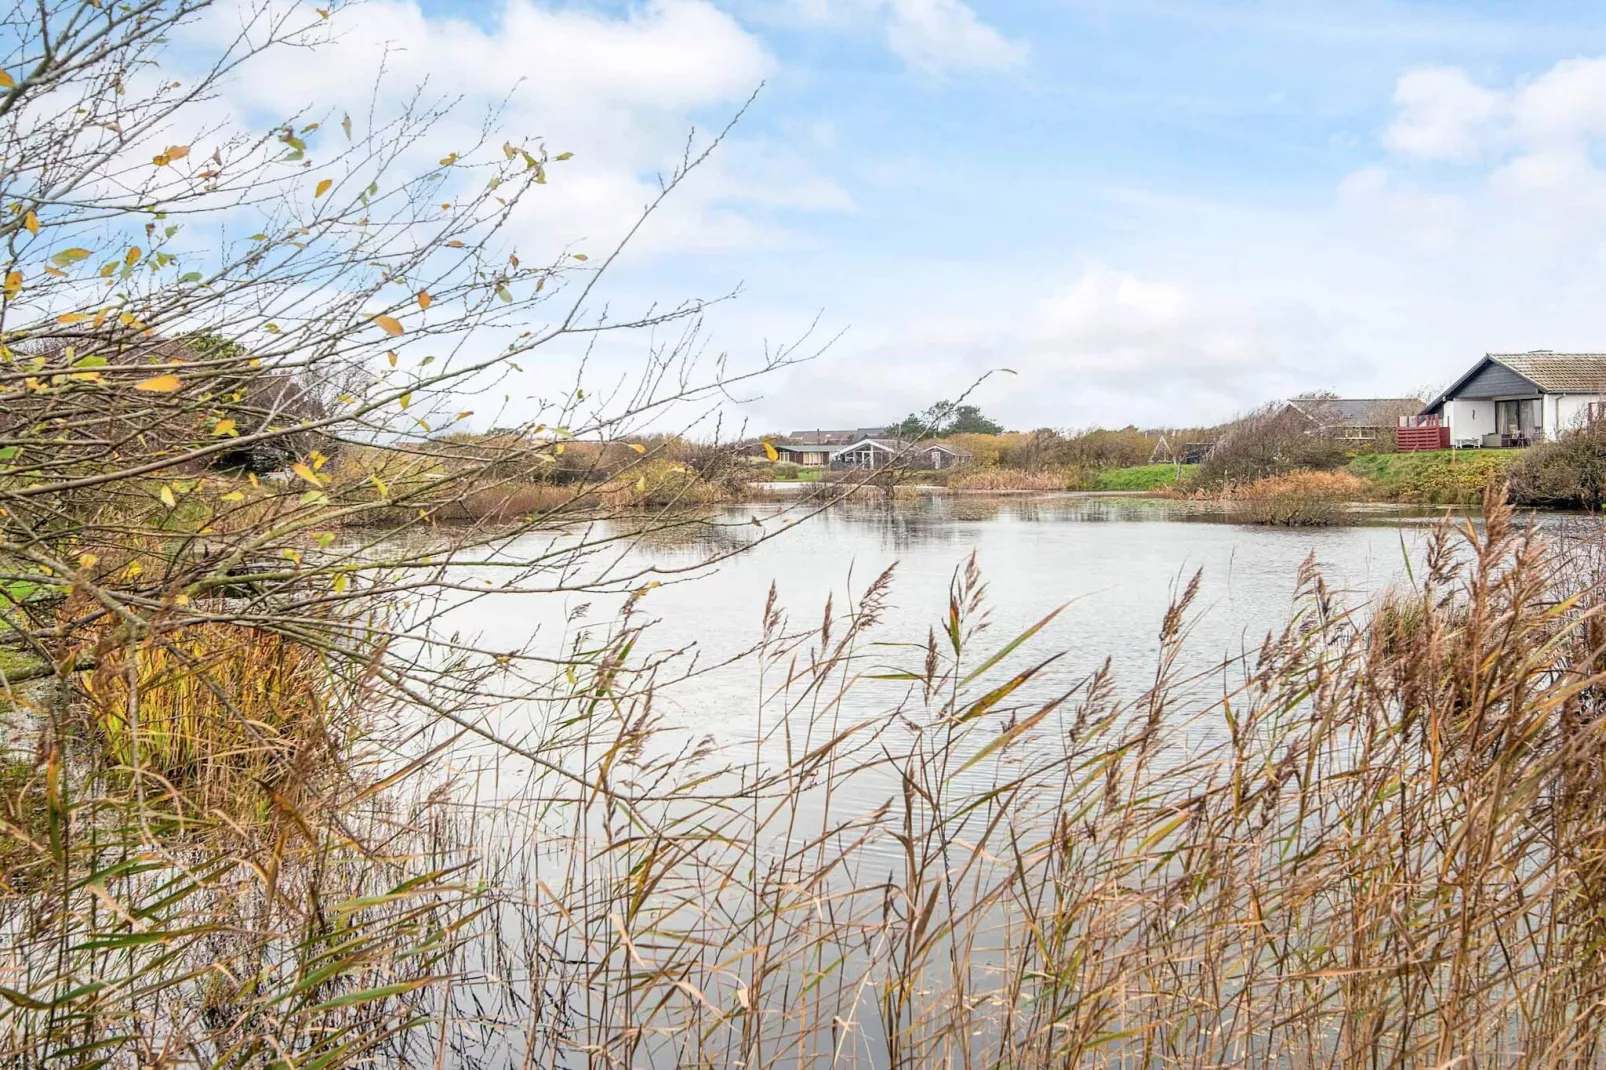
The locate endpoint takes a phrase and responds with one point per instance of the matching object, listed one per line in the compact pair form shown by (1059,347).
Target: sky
(1151,212)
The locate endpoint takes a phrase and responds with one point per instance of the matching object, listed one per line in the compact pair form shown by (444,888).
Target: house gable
(1487,378)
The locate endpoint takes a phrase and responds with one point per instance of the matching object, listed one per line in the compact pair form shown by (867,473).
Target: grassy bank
(1143,477)
(1441,477)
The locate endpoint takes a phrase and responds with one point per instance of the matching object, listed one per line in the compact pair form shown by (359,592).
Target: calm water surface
(1116,563)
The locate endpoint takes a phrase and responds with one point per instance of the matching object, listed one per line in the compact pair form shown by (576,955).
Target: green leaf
(1010,646)
(69,256)
(190,276)
(368,995)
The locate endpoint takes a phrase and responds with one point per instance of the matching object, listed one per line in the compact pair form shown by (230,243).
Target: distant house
(1515,399)
(813,449)
(834,438)
(1354,420)
(879,452)
(814,456)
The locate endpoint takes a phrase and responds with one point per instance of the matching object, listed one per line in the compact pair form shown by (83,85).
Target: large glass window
(1519,422)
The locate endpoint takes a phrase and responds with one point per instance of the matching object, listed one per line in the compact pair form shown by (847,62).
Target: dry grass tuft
(1010,479)
(215,714)
(1296,499)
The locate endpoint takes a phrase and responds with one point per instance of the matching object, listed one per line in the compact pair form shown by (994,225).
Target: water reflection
(1117,562)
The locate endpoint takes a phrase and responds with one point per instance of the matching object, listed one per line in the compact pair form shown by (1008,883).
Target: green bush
(1567,473)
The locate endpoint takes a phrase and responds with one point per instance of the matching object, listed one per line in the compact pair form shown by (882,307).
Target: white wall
(1572,409)
(1469,418)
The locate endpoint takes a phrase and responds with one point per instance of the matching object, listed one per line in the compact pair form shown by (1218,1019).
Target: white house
(880,452)
(1515,399)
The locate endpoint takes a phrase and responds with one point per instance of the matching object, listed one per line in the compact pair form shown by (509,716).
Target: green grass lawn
(1141,477)
(1438,476)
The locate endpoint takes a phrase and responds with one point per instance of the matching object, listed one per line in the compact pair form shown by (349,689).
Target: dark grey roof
(1356,412)
(833,438)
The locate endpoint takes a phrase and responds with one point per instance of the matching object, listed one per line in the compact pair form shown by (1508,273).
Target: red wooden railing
(1417,433)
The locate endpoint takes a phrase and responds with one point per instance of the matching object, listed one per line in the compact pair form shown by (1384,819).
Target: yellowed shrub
(1010,479)
(1296,499)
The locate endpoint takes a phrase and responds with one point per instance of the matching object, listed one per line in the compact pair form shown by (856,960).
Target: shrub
(1296,499)
(1567,473)
(1268,442)
(1010,479)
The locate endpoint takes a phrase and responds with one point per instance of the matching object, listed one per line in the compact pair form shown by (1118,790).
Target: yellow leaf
(166,494)
(13,283)
(564,156)
(252,476)
(7,81)
(641,485)
(581,256)
(234,496)
(323,187)
(769,451)
(177,152)
(55,271)
(224,427)
(638,447)
(31,221)
(160,159)
(391,356)
(406,399)
(133,256)
(449,159)
(424,299)
(454,244)
(341,580)
(306,474)
(159,384)
(88,560)
(390,325)
(72,317)
(134,570)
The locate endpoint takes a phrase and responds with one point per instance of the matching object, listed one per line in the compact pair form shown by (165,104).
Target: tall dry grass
(220,715)
(1295,499)
(1011,479)
(1375,839)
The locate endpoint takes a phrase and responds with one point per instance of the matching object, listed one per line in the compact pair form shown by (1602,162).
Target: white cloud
(1443,115)
(934,37)
(1564,105)
(620,91)
(938,36)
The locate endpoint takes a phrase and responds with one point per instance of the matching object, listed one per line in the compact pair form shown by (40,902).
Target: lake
(752,822)
(1114,563)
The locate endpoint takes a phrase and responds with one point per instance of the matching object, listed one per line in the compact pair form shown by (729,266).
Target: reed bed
(1295,499)
(1012,479)
(1377,838)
